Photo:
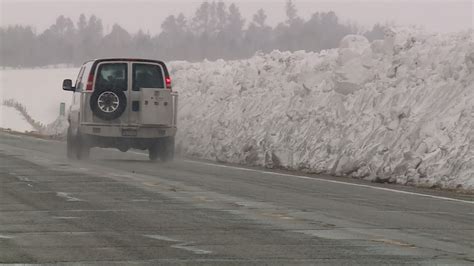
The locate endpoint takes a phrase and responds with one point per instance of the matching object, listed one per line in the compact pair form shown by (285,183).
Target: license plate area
(129,132)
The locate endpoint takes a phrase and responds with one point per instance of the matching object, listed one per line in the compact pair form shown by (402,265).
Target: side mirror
(67,85)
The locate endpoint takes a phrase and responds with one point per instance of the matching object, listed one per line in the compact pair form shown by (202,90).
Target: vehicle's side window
(112,76)
(79,78)
(85,76)
(147,76)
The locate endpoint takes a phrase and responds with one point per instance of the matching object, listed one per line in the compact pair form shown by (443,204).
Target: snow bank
(15,120)
(39,92)
(398,110)
(56,128)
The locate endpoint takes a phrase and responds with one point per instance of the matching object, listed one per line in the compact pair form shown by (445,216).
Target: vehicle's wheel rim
(108,102)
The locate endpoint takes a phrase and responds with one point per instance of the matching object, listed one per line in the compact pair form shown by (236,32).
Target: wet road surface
(119,208)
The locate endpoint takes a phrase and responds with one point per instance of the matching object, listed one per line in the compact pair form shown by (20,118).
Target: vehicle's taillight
(90,82)
(168,83)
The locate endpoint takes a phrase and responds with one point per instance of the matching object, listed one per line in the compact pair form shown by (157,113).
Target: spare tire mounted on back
(108,104)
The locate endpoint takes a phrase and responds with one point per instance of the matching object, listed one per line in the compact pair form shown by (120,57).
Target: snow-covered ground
(39,90)
(399,110)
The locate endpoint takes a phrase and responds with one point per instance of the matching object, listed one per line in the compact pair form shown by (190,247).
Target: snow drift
(57,128)
(34,95)
(398,110)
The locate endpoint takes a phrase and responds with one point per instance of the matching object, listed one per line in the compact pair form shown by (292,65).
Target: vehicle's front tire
(82,147)
(70,145)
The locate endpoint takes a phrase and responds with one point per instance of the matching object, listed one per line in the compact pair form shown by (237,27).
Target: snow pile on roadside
(399,110)
(20,108)
(57,128)
(38,90)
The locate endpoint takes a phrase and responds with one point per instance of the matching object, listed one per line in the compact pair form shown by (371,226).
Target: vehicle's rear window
(147,76)
(112,76)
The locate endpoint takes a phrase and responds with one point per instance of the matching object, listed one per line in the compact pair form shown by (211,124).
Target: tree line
(214,31)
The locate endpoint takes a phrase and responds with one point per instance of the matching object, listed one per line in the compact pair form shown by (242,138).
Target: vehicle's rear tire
(162,149)
(153,152)
(167,149)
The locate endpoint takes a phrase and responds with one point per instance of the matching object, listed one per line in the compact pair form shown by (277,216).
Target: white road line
(326,180)
(5,237)
(334,182)
(181,245)
(67,197)
(163,238)
(192,249)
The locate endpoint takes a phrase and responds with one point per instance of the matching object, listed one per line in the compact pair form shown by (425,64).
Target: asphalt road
(121,208)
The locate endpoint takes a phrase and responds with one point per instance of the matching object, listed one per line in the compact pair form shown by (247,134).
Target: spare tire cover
(108,104)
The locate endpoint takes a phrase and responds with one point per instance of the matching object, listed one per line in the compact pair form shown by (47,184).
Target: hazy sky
(440,15)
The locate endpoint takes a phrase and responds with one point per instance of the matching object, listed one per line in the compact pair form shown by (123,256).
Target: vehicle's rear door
(151,102)
(109,74)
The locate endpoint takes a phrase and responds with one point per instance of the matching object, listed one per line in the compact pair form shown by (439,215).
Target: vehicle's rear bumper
(127,131)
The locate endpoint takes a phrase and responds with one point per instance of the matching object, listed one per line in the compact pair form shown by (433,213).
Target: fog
(437,16)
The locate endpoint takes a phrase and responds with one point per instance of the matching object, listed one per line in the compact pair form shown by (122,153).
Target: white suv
(122,103)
